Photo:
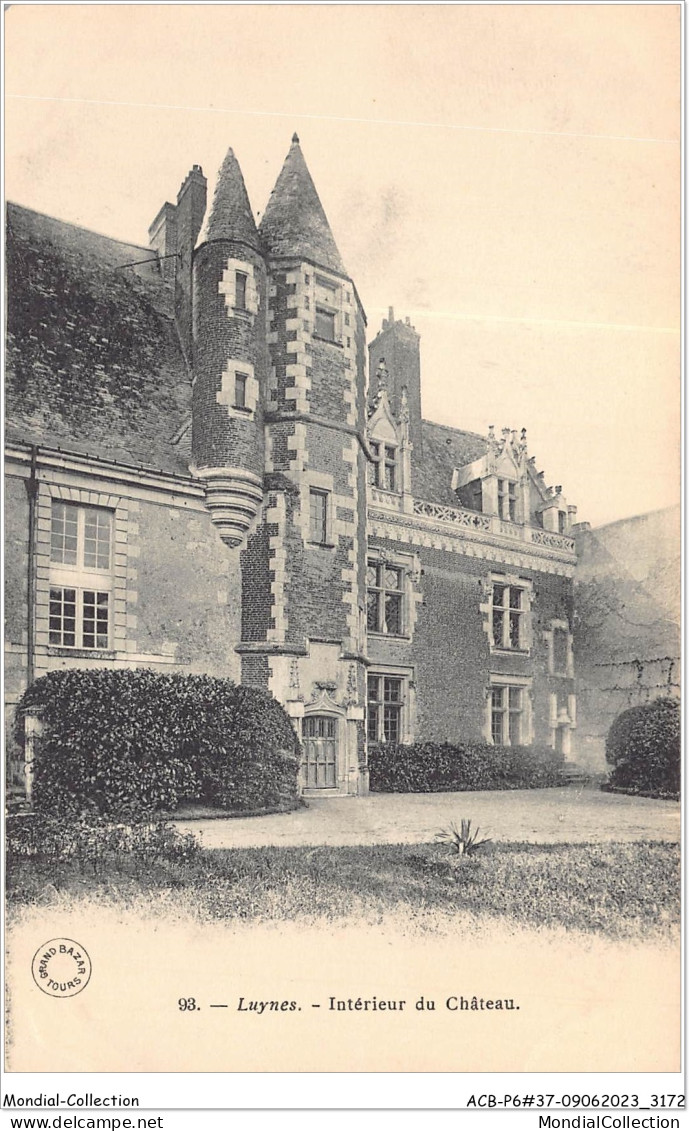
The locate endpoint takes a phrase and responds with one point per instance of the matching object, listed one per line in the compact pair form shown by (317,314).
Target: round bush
(244,751)
(643,747)
(128,743)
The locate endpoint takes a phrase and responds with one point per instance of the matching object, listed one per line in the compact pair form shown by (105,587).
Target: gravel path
(544,816)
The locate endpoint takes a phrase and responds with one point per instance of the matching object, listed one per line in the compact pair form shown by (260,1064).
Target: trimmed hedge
(644,748)
(438,767)
(130,743)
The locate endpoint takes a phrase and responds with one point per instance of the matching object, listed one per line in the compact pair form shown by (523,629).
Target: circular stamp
(61,968)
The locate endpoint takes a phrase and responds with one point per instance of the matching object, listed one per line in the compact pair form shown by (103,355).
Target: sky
(507,176)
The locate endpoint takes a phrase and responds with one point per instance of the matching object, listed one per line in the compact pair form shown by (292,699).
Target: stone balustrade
(475,520)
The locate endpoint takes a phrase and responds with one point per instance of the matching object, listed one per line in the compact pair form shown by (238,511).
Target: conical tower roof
(294,223)
(230,217)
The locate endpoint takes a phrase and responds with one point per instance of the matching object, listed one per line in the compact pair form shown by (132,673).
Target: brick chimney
(162,238)
(174,233)
(191,207)
(398,343)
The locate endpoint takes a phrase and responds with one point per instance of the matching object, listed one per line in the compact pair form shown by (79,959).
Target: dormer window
(389,468)
(471,495)
(562,522)
(384,466)
(507,500)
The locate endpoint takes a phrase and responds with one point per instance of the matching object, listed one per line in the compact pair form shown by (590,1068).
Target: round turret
(230,358)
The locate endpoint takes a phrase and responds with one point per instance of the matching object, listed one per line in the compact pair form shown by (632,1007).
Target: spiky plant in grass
(462,840)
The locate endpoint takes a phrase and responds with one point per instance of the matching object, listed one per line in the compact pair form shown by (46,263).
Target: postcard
(342,544)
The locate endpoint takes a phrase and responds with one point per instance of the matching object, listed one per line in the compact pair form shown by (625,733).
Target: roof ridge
(453,428)
(79,227)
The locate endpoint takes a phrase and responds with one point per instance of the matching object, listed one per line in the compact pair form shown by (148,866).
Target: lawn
(620,890)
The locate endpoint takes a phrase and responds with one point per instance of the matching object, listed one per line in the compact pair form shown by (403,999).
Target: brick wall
(221,438)
(325,447)
(362,484)
(330,377)
(257,610)
(282,394)
(314,588)
(282,450)
(256,671)
(449,651)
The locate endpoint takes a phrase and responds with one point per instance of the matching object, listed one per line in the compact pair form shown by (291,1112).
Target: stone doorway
(320,749)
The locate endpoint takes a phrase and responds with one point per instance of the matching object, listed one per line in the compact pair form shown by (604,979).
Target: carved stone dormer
(397,344)
(497,482)
(555,512)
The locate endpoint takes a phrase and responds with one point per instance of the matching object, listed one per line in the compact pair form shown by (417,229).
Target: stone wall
(627,635)
(189,592)
(174,586)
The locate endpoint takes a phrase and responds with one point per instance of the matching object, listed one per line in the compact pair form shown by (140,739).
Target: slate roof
(444,449)
(94,362)
(294,223)
(230,216)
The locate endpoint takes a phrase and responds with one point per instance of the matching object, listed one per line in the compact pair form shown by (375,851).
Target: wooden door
(319,767)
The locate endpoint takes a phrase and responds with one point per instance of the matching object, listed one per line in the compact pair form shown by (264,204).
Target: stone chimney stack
(173,236)
(191,208)
(162,238)
(399,344)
